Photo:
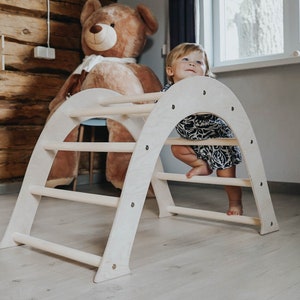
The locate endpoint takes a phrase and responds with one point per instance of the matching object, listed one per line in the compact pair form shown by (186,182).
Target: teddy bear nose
(95,29)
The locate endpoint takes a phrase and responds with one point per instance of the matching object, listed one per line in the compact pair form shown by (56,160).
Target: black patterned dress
(202,127)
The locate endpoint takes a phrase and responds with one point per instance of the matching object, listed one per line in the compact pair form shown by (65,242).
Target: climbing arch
(150,124)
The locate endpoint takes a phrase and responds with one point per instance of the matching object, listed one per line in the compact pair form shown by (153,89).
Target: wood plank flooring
(172,258)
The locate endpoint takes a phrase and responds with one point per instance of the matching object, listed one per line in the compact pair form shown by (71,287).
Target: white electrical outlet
(44,52)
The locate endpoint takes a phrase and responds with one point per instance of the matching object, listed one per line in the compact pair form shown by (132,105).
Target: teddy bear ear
(148,18)
(89,7)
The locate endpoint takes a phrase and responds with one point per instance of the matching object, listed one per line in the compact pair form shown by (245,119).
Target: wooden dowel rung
(113,110)
(128,146)
(192,212)
(74,196)
(90,147)
(132,99)
(77,255)
(204,179)
(210,142)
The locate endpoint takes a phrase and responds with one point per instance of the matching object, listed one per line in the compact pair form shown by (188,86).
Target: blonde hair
(185,49)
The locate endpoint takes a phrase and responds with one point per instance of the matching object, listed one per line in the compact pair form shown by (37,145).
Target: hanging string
(48,23)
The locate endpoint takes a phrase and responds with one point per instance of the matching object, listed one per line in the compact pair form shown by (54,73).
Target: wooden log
(20,113)
(19,137)
(70,8)
(13,163)
(17,143)
(32,30)
(20,57)
(29,86)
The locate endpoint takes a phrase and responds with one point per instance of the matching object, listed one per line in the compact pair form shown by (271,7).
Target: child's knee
(174,150)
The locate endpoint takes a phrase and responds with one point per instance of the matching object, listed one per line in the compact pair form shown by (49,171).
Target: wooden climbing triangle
(150,124)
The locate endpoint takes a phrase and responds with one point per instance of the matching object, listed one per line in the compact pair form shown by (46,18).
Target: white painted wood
(74,196)
(212,215)
(189,96)
(204,179)
(41,160)
(113,110)
(57,249)
(128,147)
(90,147)
(162,191)
(149,97)
(202,95)
(208,95)
(211,142)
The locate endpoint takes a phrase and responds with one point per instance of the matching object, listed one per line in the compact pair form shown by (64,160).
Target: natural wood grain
(32,30)
(20,113)
(67,8)
(20,57)
(17,143)
(28,84)
(17,138)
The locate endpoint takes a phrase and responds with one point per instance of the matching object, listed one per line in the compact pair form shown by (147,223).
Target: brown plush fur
(131,28)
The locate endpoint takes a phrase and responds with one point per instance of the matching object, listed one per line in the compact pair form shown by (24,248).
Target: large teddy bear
(113,36)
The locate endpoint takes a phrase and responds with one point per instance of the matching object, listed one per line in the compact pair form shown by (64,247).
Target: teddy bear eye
(112,25)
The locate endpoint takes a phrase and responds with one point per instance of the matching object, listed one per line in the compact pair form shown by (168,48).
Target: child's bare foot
(200,170)
(235,208)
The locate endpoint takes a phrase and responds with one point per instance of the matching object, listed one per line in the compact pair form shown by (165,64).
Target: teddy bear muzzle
(101,37)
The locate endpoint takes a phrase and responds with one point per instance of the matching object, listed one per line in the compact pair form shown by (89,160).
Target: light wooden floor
(172,258)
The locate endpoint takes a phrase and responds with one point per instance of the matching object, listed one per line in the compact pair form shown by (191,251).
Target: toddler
(186,60)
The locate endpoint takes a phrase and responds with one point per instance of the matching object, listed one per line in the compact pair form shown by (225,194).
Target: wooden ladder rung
(204,179)
(210,142)
(212,215)
(129,147)
(90,147)
(74,196)
(74,254)
(113,110)
(148,97)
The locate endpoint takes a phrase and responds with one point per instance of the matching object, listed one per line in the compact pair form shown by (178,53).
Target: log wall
(28,84)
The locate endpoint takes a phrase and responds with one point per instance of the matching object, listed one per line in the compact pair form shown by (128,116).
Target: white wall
(270,96)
